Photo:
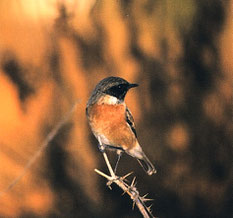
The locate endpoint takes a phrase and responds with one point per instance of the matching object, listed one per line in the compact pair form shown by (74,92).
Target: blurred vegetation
(54,52)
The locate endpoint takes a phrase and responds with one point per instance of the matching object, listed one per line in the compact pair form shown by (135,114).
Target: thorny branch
(131,189)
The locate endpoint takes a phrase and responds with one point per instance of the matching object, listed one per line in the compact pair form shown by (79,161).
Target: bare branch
(131,189)
(41,148)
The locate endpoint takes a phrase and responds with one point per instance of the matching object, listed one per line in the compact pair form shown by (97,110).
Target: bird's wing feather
(130,121)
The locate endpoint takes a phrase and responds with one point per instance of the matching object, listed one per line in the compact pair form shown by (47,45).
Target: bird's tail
(146,165)
(138,153)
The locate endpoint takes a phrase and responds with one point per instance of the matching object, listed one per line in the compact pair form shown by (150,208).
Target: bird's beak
(132,85)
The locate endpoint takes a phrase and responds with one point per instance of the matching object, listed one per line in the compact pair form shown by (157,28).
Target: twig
(131,189)
(108,164)
(47,140)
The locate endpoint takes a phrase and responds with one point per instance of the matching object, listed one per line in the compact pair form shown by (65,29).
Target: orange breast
(109,120)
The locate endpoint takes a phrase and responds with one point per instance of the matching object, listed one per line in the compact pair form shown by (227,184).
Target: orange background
(52,53)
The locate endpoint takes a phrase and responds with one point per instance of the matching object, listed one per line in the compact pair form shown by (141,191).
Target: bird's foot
(101,148)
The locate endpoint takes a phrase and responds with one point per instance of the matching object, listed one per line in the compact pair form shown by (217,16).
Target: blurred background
(53,52)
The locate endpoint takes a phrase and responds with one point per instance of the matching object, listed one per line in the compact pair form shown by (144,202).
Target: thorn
(133,182)
(149,208)
(144,199)
(127,188)
(145,195)
(127,175)
(133,205)
(109,183)
(147,199)
(124,192)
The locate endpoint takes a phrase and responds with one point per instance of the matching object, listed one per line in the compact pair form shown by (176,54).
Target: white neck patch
(108,99)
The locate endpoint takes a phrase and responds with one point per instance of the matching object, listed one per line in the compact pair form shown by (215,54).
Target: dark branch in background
(44,145)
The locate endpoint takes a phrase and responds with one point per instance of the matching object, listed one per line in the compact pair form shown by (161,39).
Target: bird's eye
(119,87)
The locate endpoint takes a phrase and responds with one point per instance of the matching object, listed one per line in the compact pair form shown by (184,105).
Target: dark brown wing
(130,121)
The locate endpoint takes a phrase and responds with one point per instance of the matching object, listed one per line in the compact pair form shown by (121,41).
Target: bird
(112,122)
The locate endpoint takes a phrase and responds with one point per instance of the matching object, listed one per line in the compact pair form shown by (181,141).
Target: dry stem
(41,148)
(131,189)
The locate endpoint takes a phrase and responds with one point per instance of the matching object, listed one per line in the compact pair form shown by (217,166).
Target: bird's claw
(101,148)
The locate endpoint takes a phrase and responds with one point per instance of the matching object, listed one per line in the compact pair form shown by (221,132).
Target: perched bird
(112,122)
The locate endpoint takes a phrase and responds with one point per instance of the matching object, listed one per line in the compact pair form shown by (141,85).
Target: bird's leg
(119,153)
(101,146)
(102,149)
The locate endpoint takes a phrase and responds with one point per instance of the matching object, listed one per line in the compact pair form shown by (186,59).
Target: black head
(114,86)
